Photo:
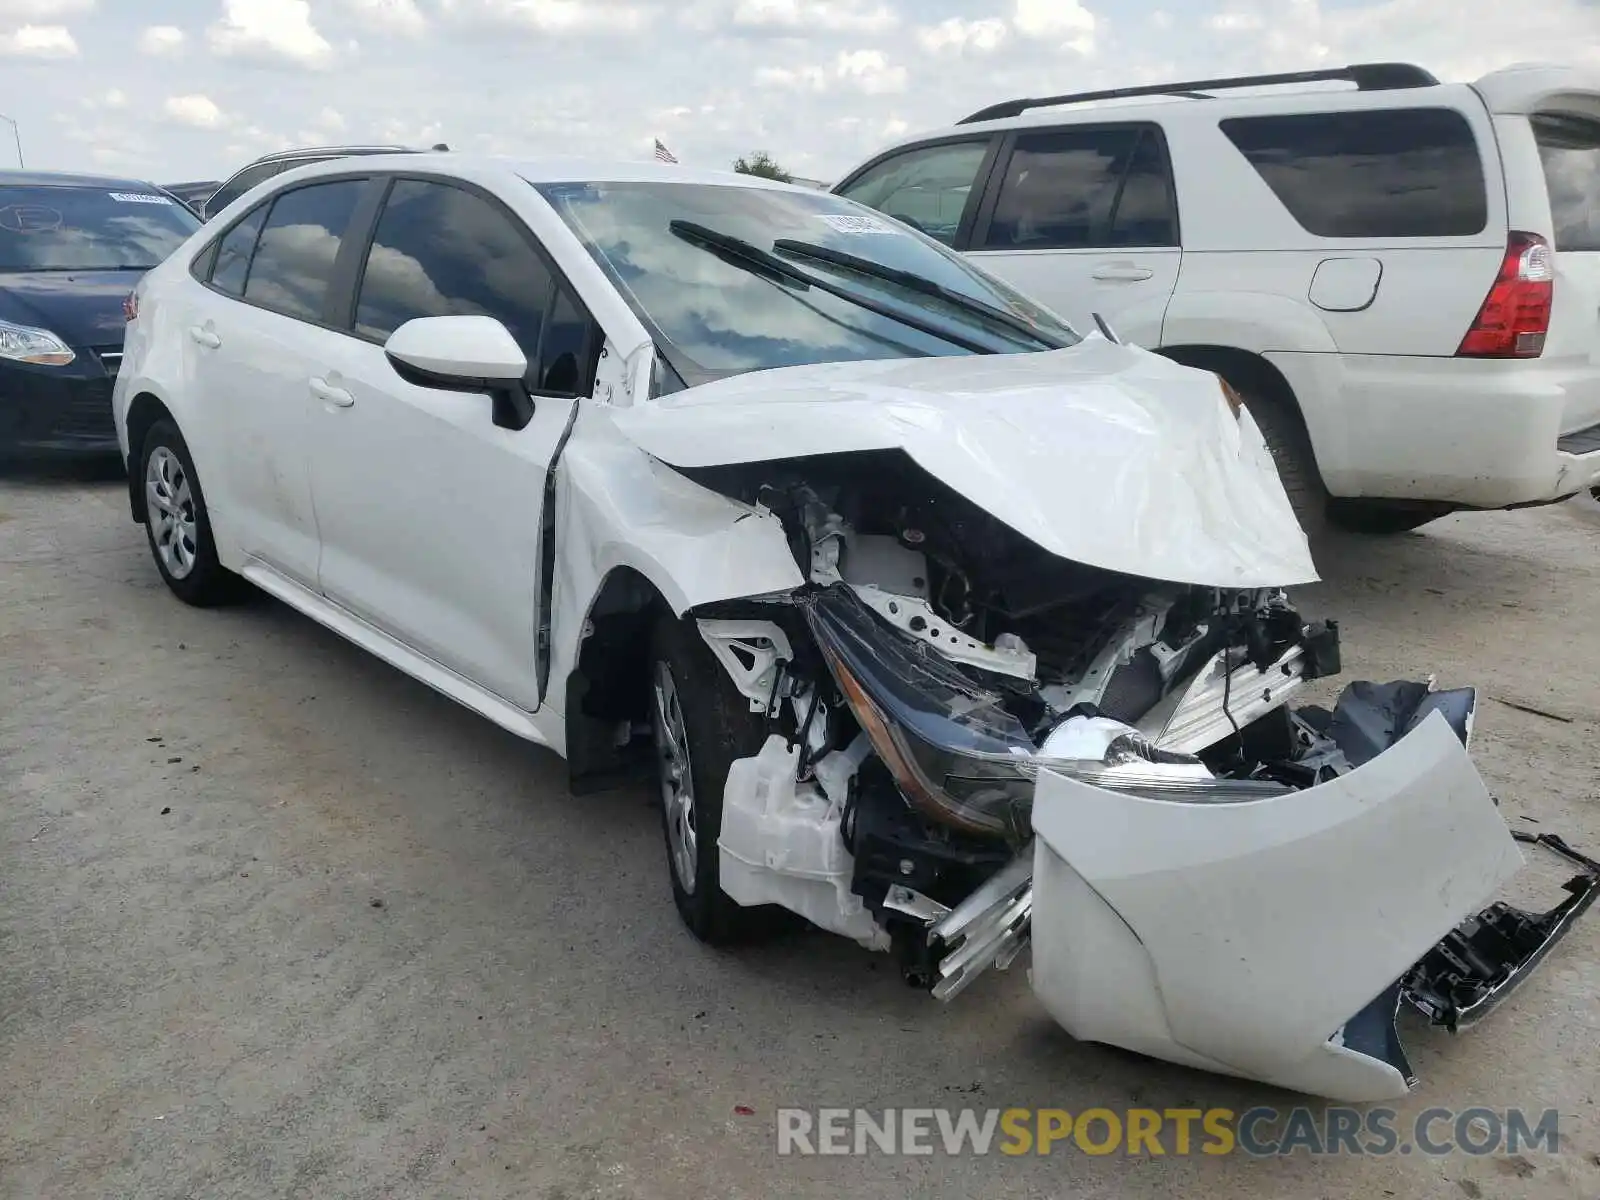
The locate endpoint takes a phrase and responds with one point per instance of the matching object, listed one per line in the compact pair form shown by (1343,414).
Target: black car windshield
(715,313)
(89,229)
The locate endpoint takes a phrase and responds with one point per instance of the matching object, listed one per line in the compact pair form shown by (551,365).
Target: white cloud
(870,71)
(22,12)
(1234,22)
(1065,22)
(956,36)
(39,41)
(160,40)
(390,16)
(551,16)
(200,112)
(115,98)
(273,31)
(832,16)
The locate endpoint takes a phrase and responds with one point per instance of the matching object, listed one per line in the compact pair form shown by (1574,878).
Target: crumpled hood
(1101,453)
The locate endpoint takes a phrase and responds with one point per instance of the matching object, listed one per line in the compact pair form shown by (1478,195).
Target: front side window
(89,229)
(293,263)
(1569,148)
(1402,173)
(719,312)
(927,188)
(234,251)
(1084,188)
(443,251)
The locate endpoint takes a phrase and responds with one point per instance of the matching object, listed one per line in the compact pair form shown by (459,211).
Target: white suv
(1402,277)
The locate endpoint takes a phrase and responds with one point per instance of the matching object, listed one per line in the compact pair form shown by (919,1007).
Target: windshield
(713,315)
(89,229)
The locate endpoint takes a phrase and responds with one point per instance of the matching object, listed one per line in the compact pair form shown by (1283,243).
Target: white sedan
(945,627)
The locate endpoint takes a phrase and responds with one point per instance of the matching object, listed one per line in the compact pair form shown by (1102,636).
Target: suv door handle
(205,337)
(328,394)
(1122,273)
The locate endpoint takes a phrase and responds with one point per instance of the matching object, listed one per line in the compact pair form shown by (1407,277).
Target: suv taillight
(1516,313)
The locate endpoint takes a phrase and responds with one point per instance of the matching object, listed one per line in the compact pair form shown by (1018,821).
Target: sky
(173,90)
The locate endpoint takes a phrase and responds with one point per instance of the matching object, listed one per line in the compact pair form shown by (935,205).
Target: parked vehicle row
(938,622)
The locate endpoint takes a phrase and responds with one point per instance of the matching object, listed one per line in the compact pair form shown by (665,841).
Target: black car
(72,247)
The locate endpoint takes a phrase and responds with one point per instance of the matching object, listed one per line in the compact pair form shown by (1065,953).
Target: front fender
(617,508)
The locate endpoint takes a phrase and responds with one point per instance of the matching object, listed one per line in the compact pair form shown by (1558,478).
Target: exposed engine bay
(940,677)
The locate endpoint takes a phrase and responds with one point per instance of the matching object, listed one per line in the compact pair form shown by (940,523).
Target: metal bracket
(750,652)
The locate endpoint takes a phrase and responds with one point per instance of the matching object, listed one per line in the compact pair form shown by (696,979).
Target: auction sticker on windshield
(138,198)
(854,223)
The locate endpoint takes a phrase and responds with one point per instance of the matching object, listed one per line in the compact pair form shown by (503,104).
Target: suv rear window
(1570,149)
(1396,173)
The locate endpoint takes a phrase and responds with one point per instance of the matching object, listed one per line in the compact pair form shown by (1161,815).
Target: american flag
(663,154)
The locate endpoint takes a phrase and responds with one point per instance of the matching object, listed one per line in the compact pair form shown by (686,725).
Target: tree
(761,163)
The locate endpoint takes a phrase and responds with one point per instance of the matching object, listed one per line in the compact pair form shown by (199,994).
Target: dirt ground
(277,921)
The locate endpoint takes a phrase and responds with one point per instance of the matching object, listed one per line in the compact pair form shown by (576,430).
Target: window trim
(991,197)
(594,337)
(991,142)
(335,279)
(1483,155)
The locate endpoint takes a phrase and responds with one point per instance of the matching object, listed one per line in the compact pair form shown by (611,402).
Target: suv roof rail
(1368,77)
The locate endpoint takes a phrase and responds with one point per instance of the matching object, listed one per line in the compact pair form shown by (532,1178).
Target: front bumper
(59,411)
(1272,938)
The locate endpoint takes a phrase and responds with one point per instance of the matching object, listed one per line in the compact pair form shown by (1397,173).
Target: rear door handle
(205,337)
(1122,273)
(328,394)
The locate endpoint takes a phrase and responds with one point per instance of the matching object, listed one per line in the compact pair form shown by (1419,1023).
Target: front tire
(177,524)
(1291,453)
(702,724)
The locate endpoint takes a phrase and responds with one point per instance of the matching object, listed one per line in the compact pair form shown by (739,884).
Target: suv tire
(1291,452)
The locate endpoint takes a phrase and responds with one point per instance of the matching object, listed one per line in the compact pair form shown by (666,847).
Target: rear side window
(1399,173)
(1084,188)
(238,186)
(443,251)
(927,188)
(1570,150)
(234,251)
(293,263)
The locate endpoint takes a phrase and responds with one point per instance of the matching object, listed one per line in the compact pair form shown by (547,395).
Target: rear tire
(702,724)
(177,524)
(1377,518)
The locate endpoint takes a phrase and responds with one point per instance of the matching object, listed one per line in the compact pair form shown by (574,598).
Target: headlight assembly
(23,343)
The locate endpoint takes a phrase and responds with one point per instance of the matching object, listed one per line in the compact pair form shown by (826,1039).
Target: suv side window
(293,263)
(1084,188)
(1397,173)
(927,187)
(238,186)
(440,250)
(234,252)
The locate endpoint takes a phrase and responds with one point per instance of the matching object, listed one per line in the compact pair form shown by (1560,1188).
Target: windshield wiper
(920,284)
(763,262)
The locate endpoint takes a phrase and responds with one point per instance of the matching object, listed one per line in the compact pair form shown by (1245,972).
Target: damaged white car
(948,629)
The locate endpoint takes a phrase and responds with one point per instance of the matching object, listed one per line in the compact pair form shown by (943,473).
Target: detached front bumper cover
(1275,938)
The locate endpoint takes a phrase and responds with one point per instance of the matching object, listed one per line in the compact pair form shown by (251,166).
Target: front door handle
(328,394)
(1122,273)
(205,337)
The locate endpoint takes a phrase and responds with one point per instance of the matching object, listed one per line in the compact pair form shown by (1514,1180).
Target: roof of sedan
(552,170)
(67,179)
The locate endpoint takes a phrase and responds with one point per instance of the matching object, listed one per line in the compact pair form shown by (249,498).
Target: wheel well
(144,412)
(608,690)
(1247,371)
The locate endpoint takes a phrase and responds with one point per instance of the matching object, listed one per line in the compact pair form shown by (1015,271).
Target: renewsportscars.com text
(1258,1132)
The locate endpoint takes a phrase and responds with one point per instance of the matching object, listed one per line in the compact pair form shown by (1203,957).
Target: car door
(253,346)
(1084,218)
(429,512)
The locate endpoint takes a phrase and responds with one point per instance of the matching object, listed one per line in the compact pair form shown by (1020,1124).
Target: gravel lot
(277,921)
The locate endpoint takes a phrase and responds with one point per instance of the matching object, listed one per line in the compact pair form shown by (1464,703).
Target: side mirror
(464,354)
